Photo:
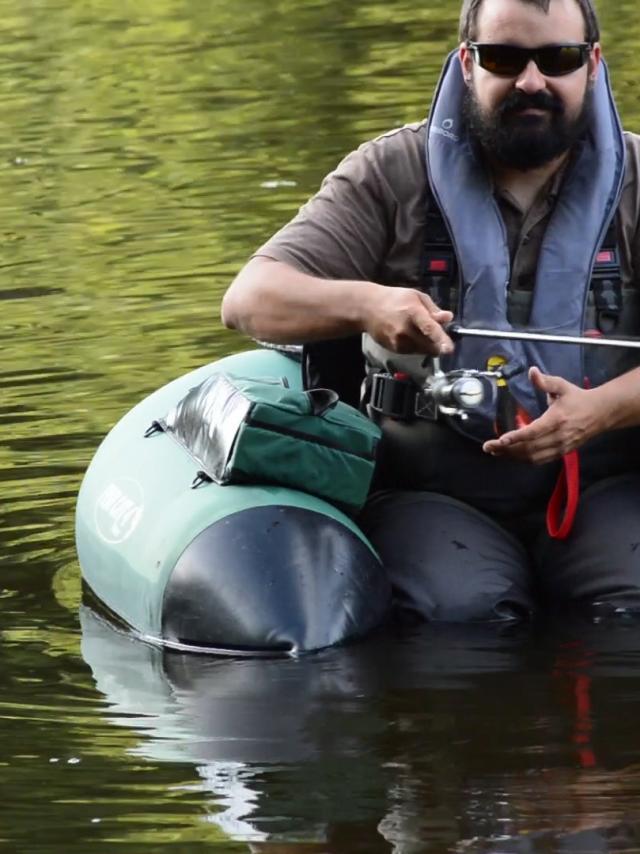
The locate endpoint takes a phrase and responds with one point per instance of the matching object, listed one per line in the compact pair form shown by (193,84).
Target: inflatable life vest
(578,234)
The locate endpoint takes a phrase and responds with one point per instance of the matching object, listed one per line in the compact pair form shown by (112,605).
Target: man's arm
(272,301)
(317,278)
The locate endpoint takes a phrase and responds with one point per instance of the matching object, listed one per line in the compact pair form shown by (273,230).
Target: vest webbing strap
(563,504)
(439,266)
(606,283)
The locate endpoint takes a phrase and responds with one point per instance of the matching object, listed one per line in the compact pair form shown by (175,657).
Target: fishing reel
(456,393)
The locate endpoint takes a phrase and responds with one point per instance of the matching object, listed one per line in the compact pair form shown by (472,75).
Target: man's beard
(526,142)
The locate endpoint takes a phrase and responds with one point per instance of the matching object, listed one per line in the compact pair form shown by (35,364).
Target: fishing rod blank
(456,331)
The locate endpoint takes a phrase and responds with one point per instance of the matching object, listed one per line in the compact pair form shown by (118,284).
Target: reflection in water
(447,738)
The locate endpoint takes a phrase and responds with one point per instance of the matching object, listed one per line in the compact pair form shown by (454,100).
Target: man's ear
(594,61)
(466,61)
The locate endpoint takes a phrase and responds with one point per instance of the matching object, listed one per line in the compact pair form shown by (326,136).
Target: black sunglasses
(553,60)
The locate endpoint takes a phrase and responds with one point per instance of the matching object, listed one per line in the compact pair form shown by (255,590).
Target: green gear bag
(243,430)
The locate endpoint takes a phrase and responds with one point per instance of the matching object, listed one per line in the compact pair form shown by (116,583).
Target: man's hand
(574,416)
(405,320)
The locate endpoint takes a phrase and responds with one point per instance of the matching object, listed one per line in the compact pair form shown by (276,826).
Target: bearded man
(516,204)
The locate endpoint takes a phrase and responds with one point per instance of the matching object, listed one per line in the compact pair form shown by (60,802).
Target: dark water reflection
(147,148)
(446,739)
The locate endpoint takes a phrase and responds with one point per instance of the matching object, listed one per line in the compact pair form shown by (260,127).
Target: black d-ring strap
(321,400)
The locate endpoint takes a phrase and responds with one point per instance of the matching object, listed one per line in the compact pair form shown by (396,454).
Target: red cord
(563,504)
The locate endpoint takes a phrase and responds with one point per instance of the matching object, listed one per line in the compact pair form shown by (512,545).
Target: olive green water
(147,148)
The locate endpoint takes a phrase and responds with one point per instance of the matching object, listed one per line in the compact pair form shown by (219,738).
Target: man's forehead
(511,20)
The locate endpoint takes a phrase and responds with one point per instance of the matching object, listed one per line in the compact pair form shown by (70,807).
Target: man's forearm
(275,302)
(272,301)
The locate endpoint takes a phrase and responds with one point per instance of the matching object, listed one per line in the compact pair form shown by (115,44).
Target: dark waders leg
(598,566)
(446,560)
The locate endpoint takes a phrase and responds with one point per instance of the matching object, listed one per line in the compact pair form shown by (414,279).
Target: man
(526,173)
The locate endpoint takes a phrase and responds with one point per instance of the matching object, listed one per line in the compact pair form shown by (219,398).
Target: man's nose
(530,79)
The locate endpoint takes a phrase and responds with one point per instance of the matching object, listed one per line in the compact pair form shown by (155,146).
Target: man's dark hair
(470,9)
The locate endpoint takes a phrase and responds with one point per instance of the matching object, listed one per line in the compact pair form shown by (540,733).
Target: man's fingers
(430,327)
(546,382)
(542,450)
(522,435)
(441,316)
(535,433)
(430,304)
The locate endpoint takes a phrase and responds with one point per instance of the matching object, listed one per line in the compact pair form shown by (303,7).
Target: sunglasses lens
(563,59)
(502,59)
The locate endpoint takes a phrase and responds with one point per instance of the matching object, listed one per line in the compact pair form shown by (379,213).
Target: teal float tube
(244,569)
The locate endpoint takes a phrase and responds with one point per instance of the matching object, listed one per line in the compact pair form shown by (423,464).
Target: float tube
(240,570)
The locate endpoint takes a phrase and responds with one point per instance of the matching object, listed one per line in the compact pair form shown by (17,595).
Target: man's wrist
(363,307)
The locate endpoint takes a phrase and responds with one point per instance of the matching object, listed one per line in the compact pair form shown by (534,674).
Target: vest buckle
(606,284)
(393,395)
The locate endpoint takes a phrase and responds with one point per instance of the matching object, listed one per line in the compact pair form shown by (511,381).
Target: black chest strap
(438,264)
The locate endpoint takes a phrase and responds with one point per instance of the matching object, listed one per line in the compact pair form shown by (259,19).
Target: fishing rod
(455,330)
(461,391)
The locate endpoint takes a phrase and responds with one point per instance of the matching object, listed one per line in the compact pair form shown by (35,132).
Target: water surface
(147,149)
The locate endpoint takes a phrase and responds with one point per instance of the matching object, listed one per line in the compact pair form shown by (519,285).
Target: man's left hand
(572,418)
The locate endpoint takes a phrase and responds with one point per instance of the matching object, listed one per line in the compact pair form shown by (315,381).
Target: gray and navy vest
(584,211)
